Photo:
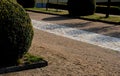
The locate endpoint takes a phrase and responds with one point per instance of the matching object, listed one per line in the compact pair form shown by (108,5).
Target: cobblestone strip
(80,35)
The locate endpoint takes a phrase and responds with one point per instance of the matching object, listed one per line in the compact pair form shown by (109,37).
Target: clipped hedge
(115,10)
(16,32)
(27,3)
(56,6)
(81,7)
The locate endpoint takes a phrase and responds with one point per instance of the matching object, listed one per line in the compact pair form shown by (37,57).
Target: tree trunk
(108,8)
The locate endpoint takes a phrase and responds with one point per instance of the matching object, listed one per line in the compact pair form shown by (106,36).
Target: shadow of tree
(114,34)
(76,25)
(56,18)
(82,25)
(98,30)
(105,30)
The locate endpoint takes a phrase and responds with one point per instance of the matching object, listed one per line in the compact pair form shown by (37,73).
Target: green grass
(100,17)
(117,7)
(52,11)
(28,59)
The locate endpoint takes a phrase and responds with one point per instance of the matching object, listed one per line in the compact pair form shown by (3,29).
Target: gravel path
(70,57)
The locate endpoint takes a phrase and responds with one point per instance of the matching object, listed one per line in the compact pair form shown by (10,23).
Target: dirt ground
(67,57)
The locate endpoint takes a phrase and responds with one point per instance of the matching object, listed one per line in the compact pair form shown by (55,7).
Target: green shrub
(115,10)
(27,3)
(16,32)
(81,7)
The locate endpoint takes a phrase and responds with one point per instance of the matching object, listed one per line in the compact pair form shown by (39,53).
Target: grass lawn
(51,11)
(29,59)
(27,62)
(96,16)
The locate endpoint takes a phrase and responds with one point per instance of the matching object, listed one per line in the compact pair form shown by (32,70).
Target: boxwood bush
(81,7)
(27,3)
(16,32)
(115,10)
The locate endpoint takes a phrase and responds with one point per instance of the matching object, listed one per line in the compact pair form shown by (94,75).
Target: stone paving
(80,35)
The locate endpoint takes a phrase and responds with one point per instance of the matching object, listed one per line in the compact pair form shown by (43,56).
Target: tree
(108,8)
(81,7)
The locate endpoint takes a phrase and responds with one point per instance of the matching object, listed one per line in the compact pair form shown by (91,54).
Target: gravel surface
(69,57)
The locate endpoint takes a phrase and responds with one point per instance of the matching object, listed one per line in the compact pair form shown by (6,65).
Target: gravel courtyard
(68,57)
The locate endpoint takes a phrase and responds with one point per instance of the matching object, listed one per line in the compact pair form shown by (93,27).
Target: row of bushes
(112,3)
(27,3)
(115,10)
(75,7)
(56,6)
(81,7)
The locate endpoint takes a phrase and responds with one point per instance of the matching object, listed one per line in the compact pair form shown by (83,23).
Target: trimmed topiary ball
(81,7)
(16,32)
(27,3)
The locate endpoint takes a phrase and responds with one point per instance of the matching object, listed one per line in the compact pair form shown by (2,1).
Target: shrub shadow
(10,69)
(56,18)
(83,25)
(114,34)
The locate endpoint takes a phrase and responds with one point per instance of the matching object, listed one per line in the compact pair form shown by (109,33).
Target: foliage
(113,9)
(28,59)
(16,32)
(81,7)
(27,3)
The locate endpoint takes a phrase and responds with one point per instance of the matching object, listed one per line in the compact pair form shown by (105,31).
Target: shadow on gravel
(10,69)
(86,26)
(105,30)
(57,18)
(76,25)
(114,34)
